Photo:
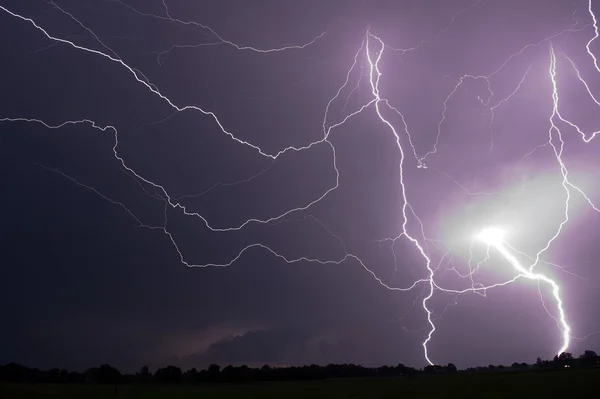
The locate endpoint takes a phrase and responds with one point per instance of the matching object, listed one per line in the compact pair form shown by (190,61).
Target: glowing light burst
(494,237)
(369,55)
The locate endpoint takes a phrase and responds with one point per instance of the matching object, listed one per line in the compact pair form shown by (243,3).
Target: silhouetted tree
(266,373)
(192,375)
(543,364)
(14,372)
(105,374)
(213,372)
(589,354)
(563,360)
(229,373)
(565,356)
(168,374)
(435,369)
(429,369)
(588,358)
(144,375)
(405,370)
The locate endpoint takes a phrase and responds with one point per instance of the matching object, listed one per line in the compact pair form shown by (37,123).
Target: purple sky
(249,139)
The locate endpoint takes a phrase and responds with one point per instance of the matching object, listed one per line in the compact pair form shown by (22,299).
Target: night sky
(276,174)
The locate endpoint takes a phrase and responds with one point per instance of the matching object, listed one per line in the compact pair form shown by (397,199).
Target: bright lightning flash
(410,228)
(494,237)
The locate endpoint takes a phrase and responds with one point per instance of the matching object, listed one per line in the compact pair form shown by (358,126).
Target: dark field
(524,384)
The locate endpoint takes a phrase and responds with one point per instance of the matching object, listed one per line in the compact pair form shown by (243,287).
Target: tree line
(107,374)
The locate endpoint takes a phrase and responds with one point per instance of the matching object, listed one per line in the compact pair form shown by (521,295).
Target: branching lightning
(411,228)
(494,237)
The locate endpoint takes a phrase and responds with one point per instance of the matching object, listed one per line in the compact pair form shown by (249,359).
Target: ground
(526,384)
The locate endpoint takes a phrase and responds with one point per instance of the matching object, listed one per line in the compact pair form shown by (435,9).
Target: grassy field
(526,384)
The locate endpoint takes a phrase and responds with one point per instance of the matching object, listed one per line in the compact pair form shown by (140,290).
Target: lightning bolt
(374,79)
(369,56)
(494,237)
(596,34)
(492,240)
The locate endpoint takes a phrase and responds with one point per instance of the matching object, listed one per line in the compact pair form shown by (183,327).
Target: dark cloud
(254,347)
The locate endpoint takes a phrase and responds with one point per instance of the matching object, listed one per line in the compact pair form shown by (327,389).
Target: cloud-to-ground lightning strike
(494,237)
(368,56)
